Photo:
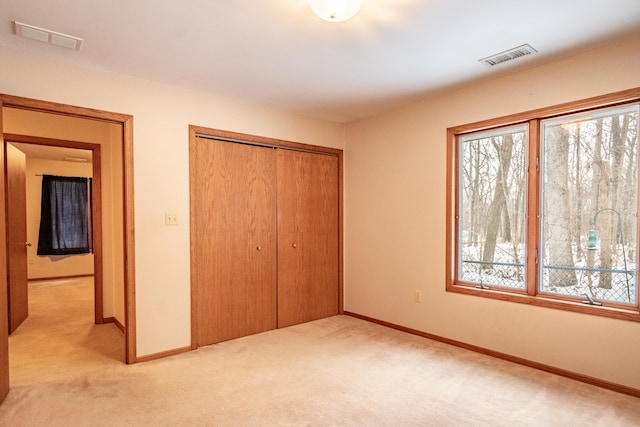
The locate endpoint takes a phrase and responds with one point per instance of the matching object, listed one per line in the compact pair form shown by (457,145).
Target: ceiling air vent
(508,55)
(47,36)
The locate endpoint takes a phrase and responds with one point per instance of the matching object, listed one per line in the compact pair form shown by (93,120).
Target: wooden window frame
(530,295)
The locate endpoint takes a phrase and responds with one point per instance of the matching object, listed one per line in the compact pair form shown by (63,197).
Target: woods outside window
(542,207)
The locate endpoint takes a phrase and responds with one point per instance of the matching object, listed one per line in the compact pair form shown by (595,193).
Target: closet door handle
(259,248)
(295,245)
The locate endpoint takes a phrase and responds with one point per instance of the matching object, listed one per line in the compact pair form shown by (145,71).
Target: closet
(265,234)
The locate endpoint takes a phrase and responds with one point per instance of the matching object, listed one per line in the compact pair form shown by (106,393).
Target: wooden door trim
(200,131)
(4,320)
(244,138)
(96,200)
(126,121)
(192,223)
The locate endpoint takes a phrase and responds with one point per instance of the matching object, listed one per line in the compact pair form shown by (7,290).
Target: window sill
(548,301)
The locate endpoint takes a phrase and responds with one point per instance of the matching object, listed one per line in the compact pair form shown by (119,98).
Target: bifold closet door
(308,236)
(234,239)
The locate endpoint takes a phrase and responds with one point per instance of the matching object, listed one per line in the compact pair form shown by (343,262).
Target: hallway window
(65,222)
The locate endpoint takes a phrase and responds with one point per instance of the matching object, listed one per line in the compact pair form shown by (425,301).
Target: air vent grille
(508,55)
(47,36)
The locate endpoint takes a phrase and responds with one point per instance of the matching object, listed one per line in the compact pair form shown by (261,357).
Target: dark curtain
(65,222)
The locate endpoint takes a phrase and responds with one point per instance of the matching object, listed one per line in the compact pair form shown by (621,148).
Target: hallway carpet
(59,338)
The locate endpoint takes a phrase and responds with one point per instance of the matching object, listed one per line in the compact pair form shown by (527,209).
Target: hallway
(59,339)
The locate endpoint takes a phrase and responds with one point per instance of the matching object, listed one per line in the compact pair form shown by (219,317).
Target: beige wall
(51,266)
(162,115)
(395,179)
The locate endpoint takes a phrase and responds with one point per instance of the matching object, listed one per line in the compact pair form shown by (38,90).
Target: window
(65,221)
(589,205)
(493,207)
(542,207)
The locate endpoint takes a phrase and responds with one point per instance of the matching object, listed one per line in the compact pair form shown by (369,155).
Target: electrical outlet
(417,296)
(170,218)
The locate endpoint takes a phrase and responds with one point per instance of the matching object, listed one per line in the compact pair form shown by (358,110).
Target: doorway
(46,156)
(124,123)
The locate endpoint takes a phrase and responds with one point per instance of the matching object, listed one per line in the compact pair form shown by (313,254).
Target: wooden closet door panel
(308,237)
(235,240)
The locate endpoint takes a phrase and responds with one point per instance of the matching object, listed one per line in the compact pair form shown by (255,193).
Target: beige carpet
(339,371)
(59,338)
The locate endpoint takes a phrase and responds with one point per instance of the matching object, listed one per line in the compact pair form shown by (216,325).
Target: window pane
(492,206)
(589,200)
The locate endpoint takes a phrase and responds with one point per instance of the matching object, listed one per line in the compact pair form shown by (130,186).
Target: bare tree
(557,208)
(504,149)
(602,200)
(577,206)
(473,191)
(630,175)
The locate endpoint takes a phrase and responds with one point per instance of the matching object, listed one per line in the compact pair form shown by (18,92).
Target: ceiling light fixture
(335,10)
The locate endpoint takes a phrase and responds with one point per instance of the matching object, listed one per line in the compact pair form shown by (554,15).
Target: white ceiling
(279,54)
(62,154)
